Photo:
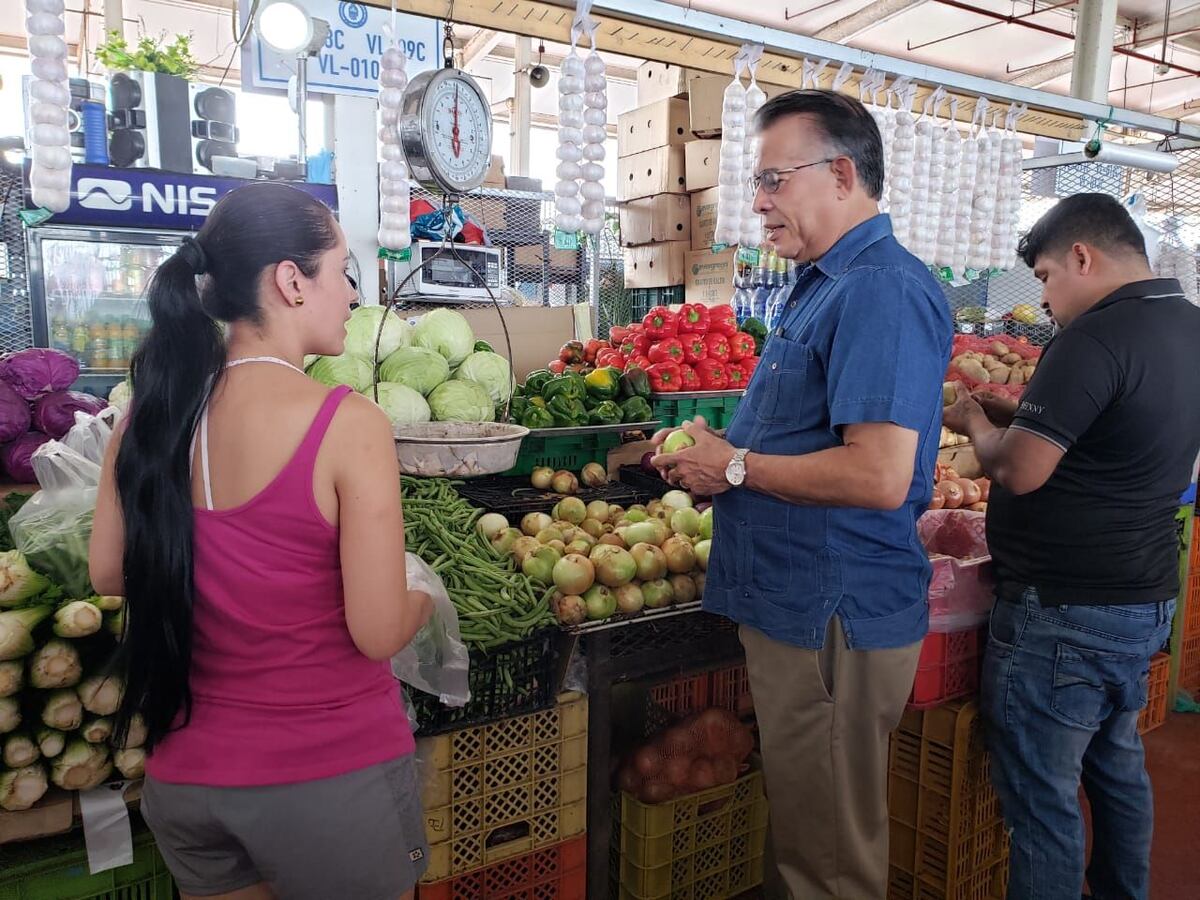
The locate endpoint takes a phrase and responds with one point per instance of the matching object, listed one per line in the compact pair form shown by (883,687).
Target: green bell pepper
(603,384)
(536,380)
(568,412)
(516,408)
(636,409)
(537,417)
(635,383)
(757,330)
(569,385)
(606,413)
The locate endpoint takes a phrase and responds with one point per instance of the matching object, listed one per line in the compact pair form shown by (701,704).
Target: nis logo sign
(116,195)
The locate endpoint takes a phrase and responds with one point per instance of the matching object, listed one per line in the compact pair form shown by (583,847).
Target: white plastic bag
(435,660)
(89,435)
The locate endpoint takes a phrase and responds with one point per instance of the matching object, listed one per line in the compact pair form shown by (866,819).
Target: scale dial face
(446,131)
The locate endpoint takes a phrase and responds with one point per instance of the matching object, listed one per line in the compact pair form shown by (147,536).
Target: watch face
(735,472)
(456,131)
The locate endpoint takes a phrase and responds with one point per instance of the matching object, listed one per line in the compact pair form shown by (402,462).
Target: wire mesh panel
(16,318)
(1010,302)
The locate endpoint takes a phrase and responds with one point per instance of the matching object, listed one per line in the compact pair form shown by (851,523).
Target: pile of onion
(954,492)
(704,751)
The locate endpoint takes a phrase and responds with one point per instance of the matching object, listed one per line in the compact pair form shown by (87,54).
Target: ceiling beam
(480,46)
(1145,35)
(1189,109)
(874,13)
(554,60)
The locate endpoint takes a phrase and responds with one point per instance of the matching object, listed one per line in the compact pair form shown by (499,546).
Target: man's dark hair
(1099,220)
(849,128)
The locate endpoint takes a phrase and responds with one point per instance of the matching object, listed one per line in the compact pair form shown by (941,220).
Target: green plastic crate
(571,451)
(57,869)
(672,411)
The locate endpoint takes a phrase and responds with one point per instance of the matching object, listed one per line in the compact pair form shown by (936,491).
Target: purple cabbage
(38,371)
(14,414)
(17,456)
(54,414)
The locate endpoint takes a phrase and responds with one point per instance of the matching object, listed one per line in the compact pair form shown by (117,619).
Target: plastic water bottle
(741,293)
(759,290)
(779,293)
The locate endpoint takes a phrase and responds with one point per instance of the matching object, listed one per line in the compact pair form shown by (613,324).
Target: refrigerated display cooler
(87,288)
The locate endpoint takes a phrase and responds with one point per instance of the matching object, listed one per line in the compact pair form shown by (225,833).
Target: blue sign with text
(349,61)
(150,199)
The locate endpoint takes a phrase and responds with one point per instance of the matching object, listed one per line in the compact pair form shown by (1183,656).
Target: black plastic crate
(512,495)
(643,481)
(512,680)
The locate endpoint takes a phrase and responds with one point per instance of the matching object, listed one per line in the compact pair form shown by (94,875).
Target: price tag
(748,255)
(566,240)
(396,255)
(719,248)
(32,217)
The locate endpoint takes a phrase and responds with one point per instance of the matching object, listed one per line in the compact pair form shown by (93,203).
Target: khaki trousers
(824,717)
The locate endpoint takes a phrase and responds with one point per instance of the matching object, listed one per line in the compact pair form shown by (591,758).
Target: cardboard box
(706,98)
(660,124)
(658,81)
(536,332)
(655,265)
(702,164)
(490,212)
(704,218)
(658,171)
(495,173)
(710,277)
(532,255)
(652,220)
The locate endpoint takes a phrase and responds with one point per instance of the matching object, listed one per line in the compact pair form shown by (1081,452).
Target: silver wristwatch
(735,472)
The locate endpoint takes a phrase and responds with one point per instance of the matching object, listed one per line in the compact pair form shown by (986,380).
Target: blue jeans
(1062,688)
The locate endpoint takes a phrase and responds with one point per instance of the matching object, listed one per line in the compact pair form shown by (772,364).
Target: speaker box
(213,126)
(150,122)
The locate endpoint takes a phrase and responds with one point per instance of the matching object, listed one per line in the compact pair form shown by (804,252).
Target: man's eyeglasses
(770,181)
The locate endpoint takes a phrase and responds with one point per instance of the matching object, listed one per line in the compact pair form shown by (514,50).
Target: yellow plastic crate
(509,787)
(704,846)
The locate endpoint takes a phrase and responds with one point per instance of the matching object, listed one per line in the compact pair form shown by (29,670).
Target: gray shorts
(358,836)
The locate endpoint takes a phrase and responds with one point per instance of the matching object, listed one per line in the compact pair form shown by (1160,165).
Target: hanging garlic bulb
(731,190)
(900,202)
(395,231)
(943,256)
(572,118)
(965,203)
(983,207)
(750,227)
(50,172)
(1008,200)
(593,135)
(922,150)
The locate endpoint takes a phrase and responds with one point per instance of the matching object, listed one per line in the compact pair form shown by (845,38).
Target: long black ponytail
(212,279)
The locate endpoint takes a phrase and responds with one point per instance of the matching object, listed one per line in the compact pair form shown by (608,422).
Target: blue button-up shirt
(865,337)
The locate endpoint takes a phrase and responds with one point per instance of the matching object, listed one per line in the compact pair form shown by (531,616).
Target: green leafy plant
(149,55)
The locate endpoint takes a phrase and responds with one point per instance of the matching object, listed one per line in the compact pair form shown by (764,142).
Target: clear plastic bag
(54,528)
(436,659)
(89,436)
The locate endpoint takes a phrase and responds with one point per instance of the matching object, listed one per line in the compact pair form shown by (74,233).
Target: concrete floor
(1173,760)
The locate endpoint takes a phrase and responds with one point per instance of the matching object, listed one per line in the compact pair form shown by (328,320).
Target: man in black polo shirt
(1086,477)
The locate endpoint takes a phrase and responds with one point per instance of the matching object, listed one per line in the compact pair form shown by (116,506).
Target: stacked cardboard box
(656,216)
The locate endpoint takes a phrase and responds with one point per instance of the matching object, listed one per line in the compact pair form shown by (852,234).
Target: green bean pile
(496,604)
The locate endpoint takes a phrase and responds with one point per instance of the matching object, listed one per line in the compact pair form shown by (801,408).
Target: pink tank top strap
(306,453)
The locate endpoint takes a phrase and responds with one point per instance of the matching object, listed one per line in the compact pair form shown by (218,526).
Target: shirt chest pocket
(782,376)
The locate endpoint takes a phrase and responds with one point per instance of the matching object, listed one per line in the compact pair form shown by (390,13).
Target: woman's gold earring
(299,301)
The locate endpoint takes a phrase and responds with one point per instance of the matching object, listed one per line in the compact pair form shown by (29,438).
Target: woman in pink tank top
(252,519)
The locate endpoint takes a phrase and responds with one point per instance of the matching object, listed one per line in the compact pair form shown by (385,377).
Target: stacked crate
(1189,635)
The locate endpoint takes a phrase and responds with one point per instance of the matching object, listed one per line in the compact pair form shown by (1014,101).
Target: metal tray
(623,621)
(697,395)
(593,429)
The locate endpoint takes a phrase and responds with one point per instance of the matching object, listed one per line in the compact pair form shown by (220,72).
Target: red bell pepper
(571,352)
(617,334)
(638,361)
(748,365)
(688,379)
(557,366)
(722,320)
(660,323)
(713,375)
(669,350)
(694,348)
(665,377)
(737,378)
(610,357)
(693,319)
(741,345)
(635,345)
(718,347)
(592,348)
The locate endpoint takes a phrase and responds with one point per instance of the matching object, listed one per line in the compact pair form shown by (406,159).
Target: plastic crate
(505,789)
(569,451)
(681,696)
(717,411)
(509,680)
(946,827)
(730,689)
(1155,713)
(556,873)
(1191,605)
(513,496)
(1189,663)
(948,667)
(703,846)
(643,481)
(57,869)
(642,300)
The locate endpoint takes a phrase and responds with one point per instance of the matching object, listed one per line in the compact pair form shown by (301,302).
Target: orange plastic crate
(681,696)
(555,873)
(1189,663)
(1155,712)
(730,689)
(1191,606)
(948,667)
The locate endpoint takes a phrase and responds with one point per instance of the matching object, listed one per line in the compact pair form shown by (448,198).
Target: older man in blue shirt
(817,489)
